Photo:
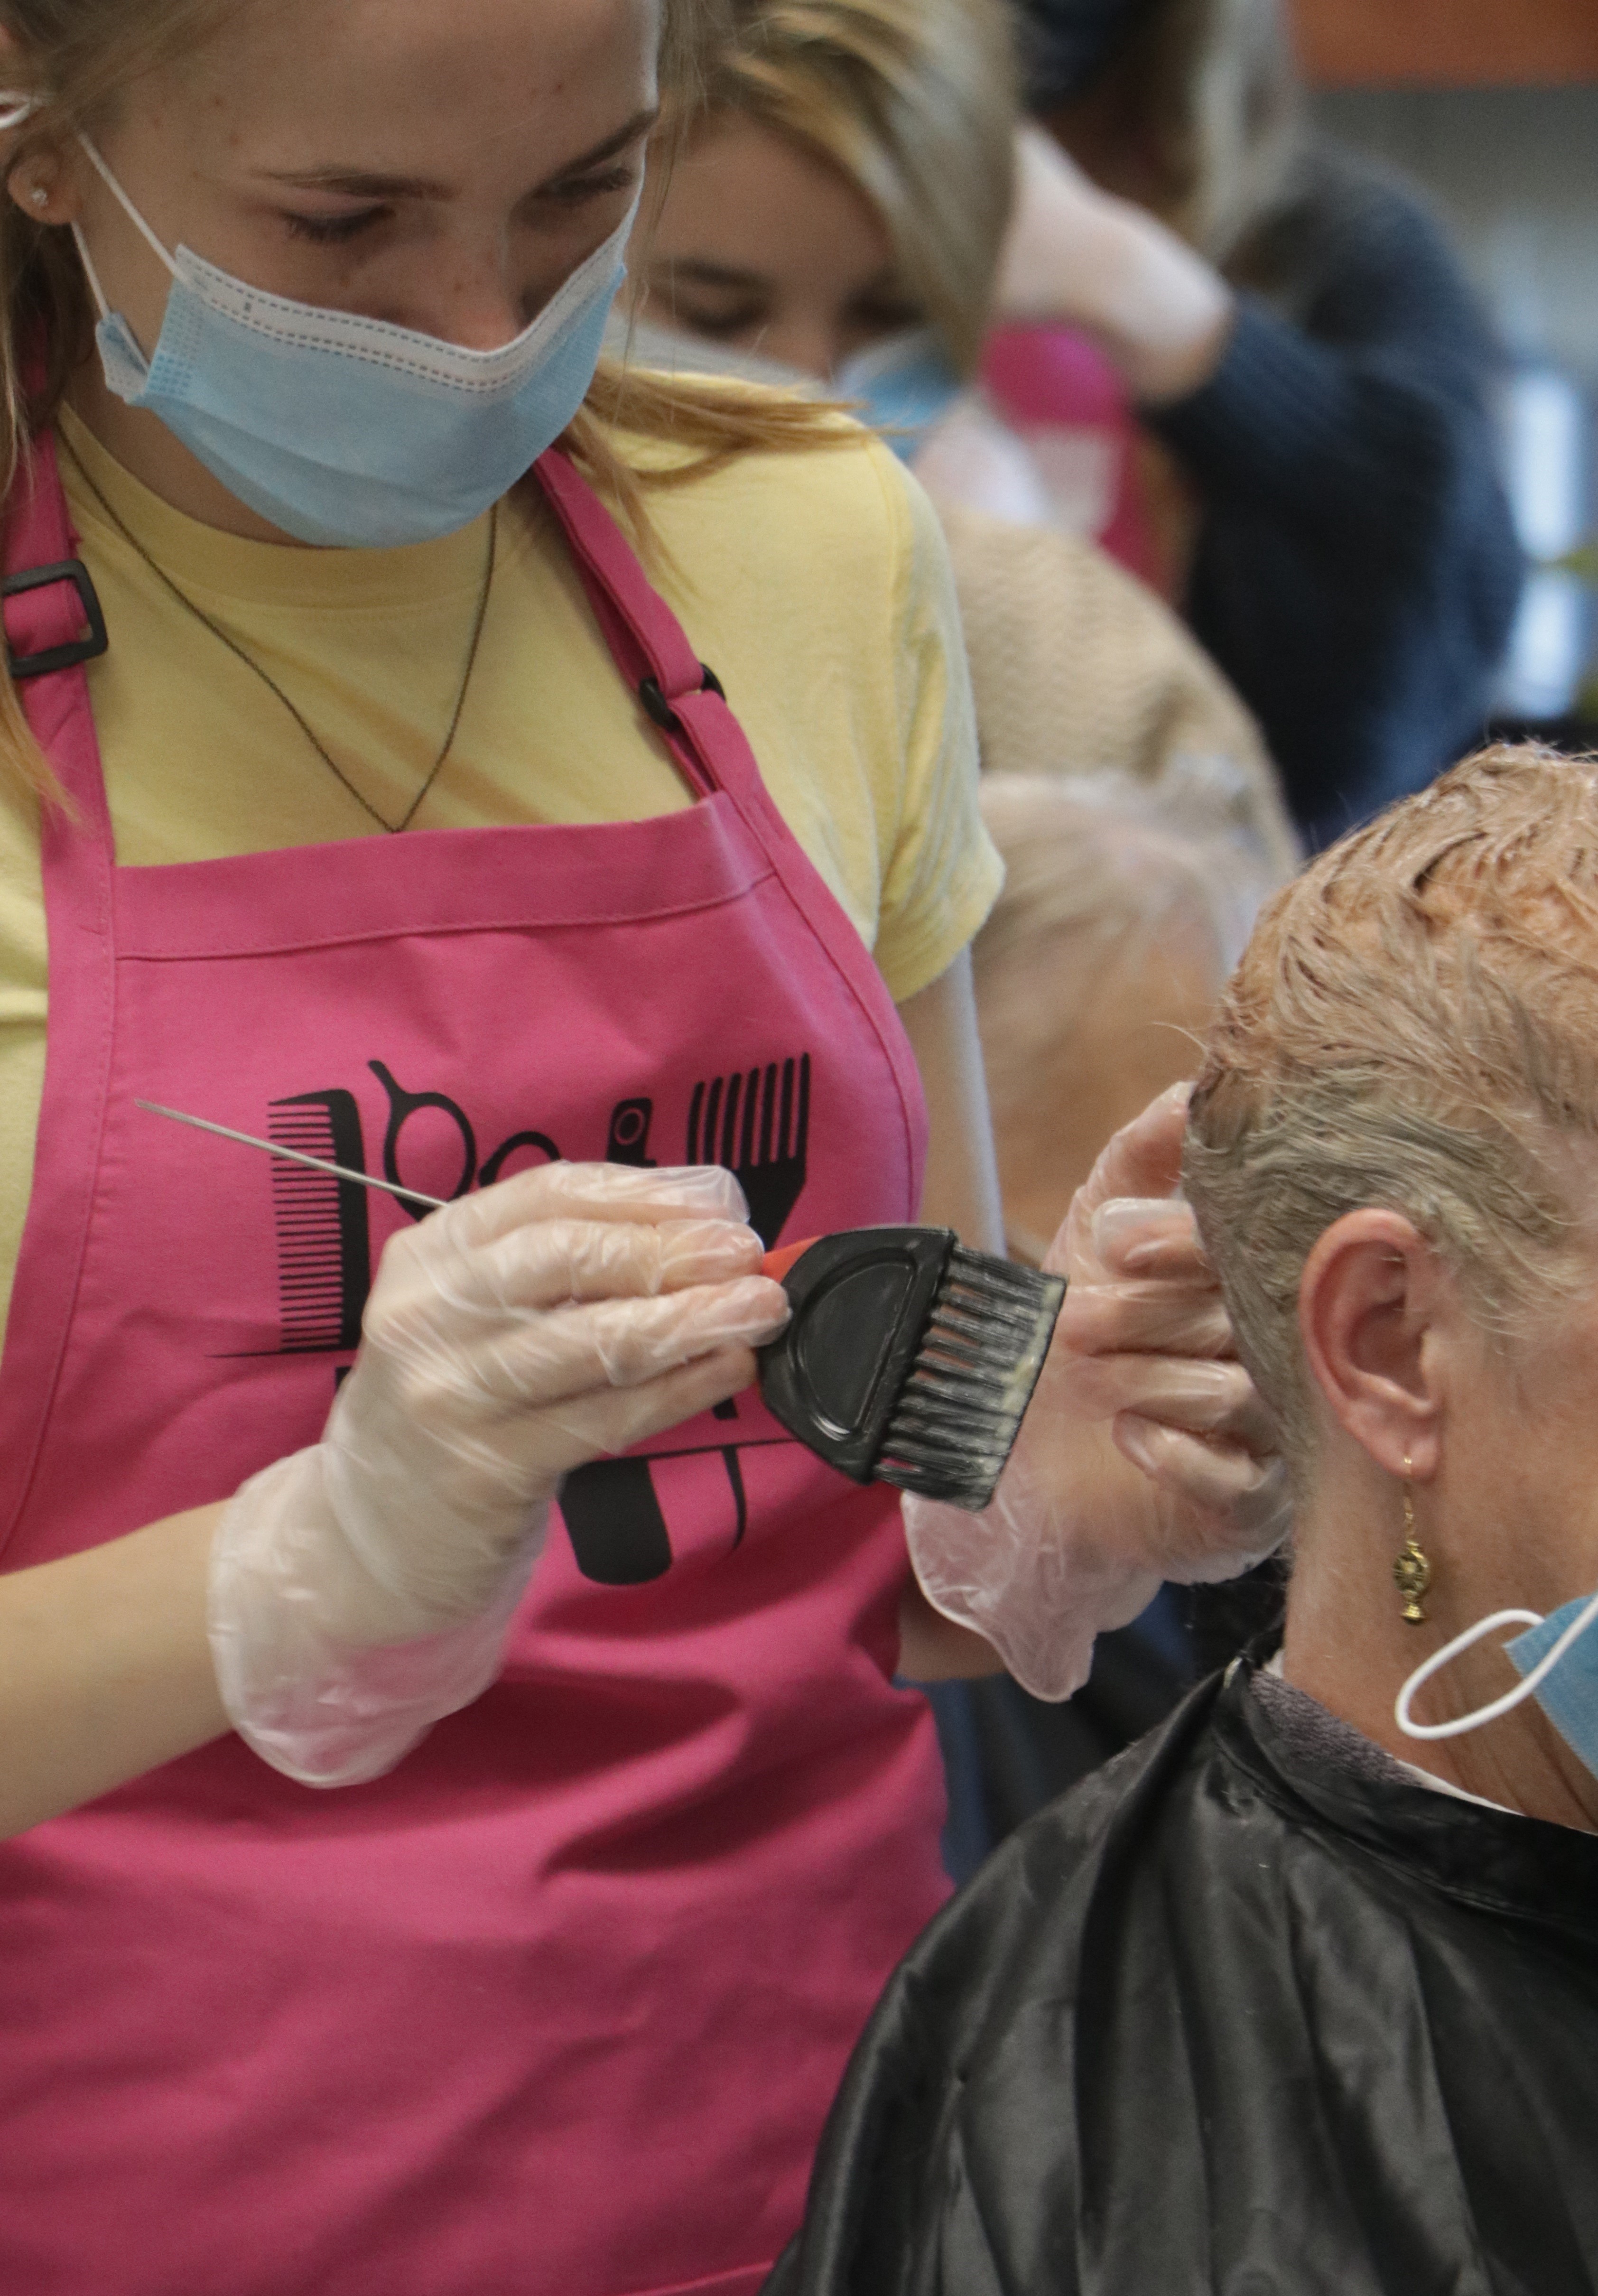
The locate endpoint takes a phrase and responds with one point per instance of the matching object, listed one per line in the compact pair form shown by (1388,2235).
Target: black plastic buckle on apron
(657,707)
(76,649)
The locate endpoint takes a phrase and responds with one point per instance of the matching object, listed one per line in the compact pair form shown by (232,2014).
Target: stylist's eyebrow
(366,183)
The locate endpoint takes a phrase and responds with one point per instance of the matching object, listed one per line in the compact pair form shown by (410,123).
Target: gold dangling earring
(1412,1569)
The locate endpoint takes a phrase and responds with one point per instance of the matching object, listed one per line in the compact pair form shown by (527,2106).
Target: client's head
(1393,1157)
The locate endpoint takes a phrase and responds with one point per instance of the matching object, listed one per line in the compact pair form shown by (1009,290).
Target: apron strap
(53,623)
(647,642)
(44,618)
(710,747)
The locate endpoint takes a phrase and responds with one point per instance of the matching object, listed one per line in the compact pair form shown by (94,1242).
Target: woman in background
(1298,337)
(837,218)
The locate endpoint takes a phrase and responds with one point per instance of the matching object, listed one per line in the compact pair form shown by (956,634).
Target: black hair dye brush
(909,1360)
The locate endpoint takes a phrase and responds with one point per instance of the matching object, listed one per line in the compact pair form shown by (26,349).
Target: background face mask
(670,351)
(342,430)
(904,384)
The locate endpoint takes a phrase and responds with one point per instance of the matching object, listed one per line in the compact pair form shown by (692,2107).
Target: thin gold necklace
(393,828)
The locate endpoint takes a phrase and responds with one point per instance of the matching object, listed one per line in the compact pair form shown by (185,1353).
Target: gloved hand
(1141,1369)
(361,1589)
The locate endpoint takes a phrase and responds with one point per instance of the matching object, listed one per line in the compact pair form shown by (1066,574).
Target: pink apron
(558,2006)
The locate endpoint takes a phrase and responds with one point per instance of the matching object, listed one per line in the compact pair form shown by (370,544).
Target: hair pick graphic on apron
(767,1151)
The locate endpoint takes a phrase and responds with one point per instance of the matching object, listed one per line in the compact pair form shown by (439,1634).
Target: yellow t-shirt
(815,583)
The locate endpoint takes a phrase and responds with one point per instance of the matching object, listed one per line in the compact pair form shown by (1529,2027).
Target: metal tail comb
(292,1156)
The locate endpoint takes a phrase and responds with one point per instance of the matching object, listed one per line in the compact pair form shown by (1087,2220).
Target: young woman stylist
(397,818)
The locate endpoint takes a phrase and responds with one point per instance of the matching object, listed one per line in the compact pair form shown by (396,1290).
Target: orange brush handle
(776,1264)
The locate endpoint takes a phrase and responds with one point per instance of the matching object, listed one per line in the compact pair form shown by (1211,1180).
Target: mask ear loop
(1511,1698)
(15,107)
(133,218)
(90,273)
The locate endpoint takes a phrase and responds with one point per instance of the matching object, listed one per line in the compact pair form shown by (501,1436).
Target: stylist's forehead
(443,93)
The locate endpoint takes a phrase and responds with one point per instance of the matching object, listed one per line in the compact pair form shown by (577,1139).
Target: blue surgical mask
(904,384)
(347,431)
(1558,1662)
(906,387)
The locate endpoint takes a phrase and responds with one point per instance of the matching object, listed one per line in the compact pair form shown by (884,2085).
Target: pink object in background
(1060,392)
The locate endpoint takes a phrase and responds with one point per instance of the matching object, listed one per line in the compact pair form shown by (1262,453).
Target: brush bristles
(958,1415)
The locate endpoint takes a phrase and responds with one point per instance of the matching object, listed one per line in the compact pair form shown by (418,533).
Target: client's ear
(1370,1301)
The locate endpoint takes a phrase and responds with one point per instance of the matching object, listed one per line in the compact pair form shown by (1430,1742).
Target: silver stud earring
(40,196)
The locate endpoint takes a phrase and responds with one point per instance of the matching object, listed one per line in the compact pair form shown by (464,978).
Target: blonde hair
(1098,869)
(1415,1025)
(76,57)
(915,102)
(1211,92)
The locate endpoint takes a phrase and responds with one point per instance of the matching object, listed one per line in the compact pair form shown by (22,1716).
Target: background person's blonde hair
(1415,1025)
(78,57)
(1101,870)
(1101,857)
(915,102)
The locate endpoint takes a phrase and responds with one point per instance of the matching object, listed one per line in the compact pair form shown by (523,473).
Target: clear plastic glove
(1141,1369)
(1075,256)
(361,1589)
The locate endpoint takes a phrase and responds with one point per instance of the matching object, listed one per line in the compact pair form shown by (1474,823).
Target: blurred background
(1492,105)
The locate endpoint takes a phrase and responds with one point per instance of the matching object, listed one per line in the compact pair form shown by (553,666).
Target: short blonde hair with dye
(1413,1025)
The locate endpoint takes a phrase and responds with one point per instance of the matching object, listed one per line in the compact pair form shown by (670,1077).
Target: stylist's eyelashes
(719,319)
(334,230)
(719,326)
(584,188)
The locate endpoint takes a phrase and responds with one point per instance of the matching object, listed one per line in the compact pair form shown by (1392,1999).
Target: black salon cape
(1246,2012)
